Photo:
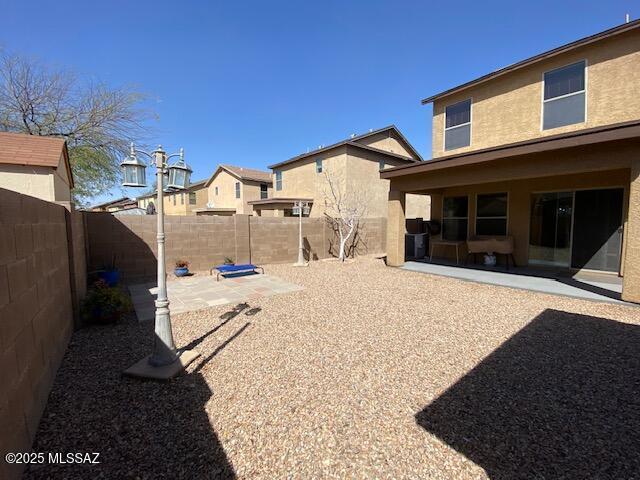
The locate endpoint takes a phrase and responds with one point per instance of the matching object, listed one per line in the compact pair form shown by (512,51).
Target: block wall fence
(42,279)
(129,242)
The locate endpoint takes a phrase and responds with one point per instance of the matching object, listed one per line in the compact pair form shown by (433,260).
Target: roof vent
(626,18)
(370,130)
(353,135)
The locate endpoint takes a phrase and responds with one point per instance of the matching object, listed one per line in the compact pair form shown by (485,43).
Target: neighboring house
(180,202)
(36,166)
(123,203)
(231,190)
(187,201)
(547,151)
(354,163)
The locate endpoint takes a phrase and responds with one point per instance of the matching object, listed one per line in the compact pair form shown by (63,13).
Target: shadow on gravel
(142,429)
(557,400)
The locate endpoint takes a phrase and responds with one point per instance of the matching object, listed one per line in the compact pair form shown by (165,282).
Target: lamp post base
(301,264)
(143,369)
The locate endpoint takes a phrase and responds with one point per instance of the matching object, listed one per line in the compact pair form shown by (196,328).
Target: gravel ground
(369,372)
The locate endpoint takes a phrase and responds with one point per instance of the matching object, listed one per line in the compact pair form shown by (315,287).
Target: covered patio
(569,203)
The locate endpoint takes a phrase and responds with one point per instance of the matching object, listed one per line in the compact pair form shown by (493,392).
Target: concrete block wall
(205,241)
(36,314)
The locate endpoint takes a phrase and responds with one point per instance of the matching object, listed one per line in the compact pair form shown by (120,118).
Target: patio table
(446,243)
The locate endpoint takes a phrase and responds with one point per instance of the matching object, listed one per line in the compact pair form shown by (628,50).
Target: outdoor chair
(230,269)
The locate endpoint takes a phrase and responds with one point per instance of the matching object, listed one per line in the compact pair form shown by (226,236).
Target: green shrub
(104,304)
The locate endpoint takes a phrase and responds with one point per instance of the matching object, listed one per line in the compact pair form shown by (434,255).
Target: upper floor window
(491,214)
(278,180)
(564,96)
(318,165)
(192,198)
(381,164)
(237,189)
(457,125)
(216,190)
(455,218)
(263,190)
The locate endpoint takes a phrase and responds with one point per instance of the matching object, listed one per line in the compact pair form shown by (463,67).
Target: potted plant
(182,268)
(104,304)
(228,261)
(110,273)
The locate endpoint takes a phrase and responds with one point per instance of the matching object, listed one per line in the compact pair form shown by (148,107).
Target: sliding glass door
(550,232)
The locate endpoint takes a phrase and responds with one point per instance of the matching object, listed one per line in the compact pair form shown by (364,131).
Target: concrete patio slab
(202,291)
(597,287)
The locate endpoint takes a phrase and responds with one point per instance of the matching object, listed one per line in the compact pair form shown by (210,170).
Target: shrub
(182,264)
(104,304)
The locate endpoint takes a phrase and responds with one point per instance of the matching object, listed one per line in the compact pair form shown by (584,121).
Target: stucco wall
(226,197)
(36,314)
(45,183)
(387,141)
(509,108)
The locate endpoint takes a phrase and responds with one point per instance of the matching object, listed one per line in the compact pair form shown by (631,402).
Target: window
(564,96)
(491,214)
(216,189)
(457,125)
(182,199)
(381,165)
(318,165)
(192,198)
(278,180)
(237,189)
(455,218)
(263,190)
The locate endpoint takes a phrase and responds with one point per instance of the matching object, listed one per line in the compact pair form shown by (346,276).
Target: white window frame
(445,128)
(506,217)
(266,191)
(238,193)
(216,190)
(319,166)
(586,103)
(278,181)
(195,198)
(454,218)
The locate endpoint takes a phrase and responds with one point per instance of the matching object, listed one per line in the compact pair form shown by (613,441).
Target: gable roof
(625,27)
(353,141)
(242,173)
(34,150)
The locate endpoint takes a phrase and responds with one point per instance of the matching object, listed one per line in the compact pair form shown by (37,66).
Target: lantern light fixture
(179,174)
(133,170)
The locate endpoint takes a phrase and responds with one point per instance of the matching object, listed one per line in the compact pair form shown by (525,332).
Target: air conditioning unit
(415,245)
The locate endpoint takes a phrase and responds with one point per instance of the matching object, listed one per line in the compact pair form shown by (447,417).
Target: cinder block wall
(130,241)
(36,314)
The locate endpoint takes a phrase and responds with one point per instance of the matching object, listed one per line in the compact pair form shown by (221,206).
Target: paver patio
(200,291)
(367,372)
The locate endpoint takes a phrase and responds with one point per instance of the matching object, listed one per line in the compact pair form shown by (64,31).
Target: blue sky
(254,83)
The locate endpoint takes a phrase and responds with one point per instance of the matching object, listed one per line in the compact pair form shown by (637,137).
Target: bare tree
(345,206)
(97,121)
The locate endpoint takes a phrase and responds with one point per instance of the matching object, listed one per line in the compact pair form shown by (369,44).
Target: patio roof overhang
(274,202)
(597,149)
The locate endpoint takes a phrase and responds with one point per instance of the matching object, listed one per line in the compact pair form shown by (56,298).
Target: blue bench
(224,269)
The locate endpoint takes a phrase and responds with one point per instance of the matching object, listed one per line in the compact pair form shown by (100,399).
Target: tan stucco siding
(508,109)
(226,198)
(61,189)
(387,141)
(34,181)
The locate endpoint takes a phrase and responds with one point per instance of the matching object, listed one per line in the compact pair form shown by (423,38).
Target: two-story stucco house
(231,189)
(181,202)
(546,151)
(36,166)
(354,163)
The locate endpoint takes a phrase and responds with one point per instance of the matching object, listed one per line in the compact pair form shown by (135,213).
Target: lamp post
(165,361)
(300,207)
